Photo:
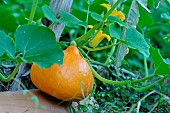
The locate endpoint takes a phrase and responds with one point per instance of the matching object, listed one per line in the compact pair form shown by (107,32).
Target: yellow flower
(116,13)
(98,38)
(106,6)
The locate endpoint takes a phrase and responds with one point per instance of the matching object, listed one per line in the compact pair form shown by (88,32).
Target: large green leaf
(137,41)
(161,66)
(38,45)
(6,45)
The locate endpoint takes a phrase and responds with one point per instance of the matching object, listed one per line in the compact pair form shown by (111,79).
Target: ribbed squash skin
(68,81)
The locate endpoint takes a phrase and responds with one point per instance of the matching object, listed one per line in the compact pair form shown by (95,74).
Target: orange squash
(72,81)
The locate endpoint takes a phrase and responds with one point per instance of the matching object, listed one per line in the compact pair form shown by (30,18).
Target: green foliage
(115,30)
(137,41)
(70,20)
(49,13)
(37,45)
(96,16)
(147,22)
(161,66)
(7,45)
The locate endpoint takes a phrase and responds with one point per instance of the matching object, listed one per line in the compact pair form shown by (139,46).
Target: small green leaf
(38,45)
(7,45)
(49,13)
(114,30)
(137,41)
(70,20)
(161,66)
(114,19)
(67,17)
(96,17)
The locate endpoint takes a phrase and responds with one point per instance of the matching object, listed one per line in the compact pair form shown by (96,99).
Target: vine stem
(125,82)
(100,48)
(34,6)
(87,16)
(149,86)
(146,67)
(11,76)
(111,53)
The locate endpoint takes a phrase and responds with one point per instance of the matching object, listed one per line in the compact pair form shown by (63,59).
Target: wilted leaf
(38,45)
(133,14)
(132,21)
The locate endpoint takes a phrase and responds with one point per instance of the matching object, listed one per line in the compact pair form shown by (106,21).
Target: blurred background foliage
(154,25)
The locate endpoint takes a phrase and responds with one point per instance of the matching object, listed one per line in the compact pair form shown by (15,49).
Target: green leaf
(137,41)
(70,20)
(115,30)
(144,4)
(161,66)
(9,22)
(7,45)
(145,18)
(153,3)
(38,45)
(49,13)
(114,19)
(96,16)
